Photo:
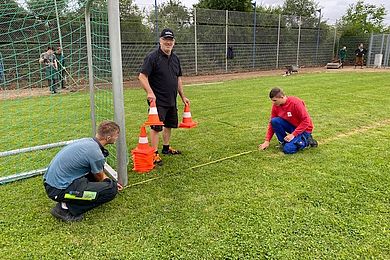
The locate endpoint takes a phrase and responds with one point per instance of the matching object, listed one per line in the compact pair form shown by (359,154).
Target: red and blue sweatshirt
(293,111)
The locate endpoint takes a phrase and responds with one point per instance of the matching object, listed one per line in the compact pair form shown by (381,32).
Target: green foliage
(231,5)
(174,15)
(37,7)
(269,9)
(362,18)
(331,202)
(132,26)
(9,7)
(304,8)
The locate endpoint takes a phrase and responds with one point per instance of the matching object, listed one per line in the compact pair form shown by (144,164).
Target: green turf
(326,203)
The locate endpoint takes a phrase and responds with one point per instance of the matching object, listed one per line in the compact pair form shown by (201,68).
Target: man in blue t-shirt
(75,177)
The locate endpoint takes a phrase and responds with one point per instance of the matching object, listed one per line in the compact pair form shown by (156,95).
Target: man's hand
(186,101)
(264,145)
(151,97)
(288,138)
(120,187)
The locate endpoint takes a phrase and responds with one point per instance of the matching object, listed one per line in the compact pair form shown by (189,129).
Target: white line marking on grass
(206,83)
(360,130)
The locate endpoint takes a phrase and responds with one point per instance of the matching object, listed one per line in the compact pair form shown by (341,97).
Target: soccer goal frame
(117,95)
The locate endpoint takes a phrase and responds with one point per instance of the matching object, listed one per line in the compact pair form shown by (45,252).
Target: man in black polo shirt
(161,78)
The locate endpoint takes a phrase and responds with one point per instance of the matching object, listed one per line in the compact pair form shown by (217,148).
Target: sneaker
(171,151)
(312,142)
(157,159)
(64,214)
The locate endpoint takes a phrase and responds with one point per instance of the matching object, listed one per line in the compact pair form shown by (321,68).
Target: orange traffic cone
(187,119)
(153,118)
(143,154)
(143,142)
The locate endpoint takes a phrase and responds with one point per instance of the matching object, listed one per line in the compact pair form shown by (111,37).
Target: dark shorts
(168,115)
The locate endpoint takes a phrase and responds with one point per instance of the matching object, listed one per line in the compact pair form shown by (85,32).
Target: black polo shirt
(163,72)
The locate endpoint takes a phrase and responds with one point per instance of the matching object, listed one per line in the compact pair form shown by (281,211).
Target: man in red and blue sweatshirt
(290,122)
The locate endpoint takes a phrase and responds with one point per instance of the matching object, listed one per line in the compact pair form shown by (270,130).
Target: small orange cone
(153,118)
(187,119)
(143,154)
(143,142)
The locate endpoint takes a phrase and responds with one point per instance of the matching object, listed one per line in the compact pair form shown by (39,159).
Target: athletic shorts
(168,115)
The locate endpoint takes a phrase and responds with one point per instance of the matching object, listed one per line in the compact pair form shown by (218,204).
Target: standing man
(290,122)
(343,55)
(48,59)
(61,67)
(75,177)
(161,79)
(360,52)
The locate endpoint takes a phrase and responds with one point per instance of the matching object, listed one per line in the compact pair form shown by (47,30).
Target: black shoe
(64,214)
(312,142)
(171,151)
(157,159)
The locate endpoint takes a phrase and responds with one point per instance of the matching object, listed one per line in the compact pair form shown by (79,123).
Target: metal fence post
(226,40)
(370,50)
(196,43)
(254,36)
(383,41)
(117,87)
(299,39)
(387,53)
(156,14)
(278,44)
(318,34)
(334,41)
(58,25)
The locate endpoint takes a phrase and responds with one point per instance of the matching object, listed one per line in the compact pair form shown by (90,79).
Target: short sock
(165,148)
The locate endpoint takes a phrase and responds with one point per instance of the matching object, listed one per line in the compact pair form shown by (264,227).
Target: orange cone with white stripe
(187,119)
(143,142)
(143,154)
(153,118)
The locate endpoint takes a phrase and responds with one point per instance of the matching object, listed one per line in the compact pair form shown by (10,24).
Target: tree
(231,5)
(304,8)
(40,8)
(174,15)
(132,27)
(361,18)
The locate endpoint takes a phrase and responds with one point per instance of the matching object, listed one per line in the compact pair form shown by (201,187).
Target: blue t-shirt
(74,161)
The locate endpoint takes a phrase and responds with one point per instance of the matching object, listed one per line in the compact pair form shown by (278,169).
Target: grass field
(332,202)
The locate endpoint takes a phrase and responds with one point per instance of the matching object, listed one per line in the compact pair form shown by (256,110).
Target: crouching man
(75,177)
(290,122)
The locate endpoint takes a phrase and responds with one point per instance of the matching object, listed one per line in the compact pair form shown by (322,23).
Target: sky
(331,9)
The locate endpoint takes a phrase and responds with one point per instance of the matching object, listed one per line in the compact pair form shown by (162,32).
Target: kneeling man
(290,122)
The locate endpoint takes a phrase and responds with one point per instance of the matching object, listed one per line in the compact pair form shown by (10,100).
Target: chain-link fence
(218,41)
(207,42)
(379,51)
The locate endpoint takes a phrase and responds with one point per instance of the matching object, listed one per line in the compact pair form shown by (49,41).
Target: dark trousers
(281,128)
(105,191)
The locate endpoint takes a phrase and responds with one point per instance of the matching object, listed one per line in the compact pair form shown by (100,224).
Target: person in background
(343,55)
(48,60)
(61,68)
(360,52)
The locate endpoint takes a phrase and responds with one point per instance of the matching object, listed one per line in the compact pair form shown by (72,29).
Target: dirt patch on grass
(187,80)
